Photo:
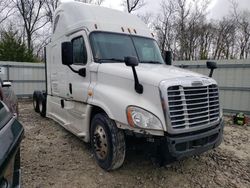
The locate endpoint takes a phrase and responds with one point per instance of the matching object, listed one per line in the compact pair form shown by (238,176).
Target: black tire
(114,155)
(42,105)
(17,160)
(36,96)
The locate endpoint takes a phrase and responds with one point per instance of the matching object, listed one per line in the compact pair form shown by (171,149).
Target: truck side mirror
(133,62)
(67,53)
(211,65)
(67,58)
(167,56)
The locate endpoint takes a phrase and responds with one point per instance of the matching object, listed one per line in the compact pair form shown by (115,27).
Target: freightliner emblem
(197,83)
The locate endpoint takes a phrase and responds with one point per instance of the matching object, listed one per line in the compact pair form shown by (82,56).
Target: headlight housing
(138,117)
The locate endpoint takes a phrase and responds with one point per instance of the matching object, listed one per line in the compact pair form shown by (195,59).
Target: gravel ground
(52,157)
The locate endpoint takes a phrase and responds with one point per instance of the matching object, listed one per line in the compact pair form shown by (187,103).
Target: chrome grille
(193,106)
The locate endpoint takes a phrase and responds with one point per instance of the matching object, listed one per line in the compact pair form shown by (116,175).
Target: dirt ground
(52,157)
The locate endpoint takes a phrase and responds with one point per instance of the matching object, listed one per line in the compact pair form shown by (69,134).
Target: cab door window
(79,51)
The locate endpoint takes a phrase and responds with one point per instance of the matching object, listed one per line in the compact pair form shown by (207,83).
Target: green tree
(13,49)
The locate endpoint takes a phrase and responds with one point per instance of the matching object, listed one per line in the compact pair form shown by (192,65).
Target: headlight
(138,117)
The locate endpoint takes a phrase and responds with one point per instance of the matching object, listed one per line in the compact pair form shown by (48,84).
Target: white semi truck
(106,79)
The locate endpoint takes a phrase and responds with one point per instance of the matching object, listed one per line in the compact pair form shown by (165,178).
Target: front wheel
(107,142)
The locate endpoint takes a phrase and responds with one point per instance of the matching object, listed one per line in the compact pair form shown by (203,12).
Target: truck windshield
(110,47)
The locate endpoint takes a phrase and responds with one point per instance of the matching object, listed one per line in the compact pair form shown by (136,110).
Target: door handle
(62,103)
(70,88)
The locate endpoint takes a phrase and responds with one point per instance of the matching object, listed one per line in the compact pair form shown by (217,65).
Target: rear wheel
(36,96)
(107,142)
(42,105)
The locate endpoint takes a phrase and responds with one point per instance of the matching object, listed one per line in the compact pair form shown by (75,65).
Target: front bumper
(180,146)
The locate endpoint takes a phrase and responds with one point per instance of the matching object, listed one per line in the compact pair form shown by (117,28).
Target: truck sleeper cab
(105,77)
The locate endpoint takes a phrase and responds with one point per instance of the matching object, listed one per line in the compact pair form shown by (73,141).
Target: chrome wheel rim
(100,142)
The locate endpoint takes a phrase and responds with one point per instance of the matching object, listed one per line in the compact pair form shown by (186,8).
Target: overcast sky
(217,8)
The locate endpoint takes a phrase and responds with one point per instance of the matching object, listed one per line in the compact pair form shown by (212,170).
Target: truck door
(78,85)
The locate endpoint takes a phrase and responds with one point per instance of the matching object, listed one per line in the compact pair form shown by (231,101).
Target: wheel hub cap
(100,142)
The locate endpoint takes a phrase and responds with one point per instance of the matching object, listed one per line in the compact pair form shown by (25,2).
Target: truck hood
(151,74)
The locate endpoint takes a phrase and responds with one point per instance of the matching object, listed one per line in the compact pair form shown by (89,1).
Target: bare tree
(224,39)
(243,33)
(183,11)
(146,17)
(99,2)
(206,37)
(195,21)
(178,27)
(50,7)
(6,10)
(132,5)
(33,19)
(165,25)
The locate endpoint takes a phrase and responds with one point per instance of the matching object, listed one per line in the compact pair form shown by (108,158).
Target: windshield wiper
(151,62)
(111,59)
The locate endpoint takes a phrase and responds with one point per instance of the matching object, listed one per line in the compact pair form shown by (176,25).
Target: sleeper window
(79,51)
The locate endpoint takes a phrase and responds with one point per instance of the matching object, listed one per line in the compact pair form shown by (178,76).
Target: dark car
(11,133)
(8,96)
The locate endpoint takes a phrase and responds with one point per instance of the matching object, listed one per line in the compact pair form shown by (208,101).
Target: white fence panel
(25,77)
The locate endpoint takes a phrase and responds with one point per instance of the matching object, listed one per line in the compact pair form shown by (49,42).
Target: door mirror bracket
(133,62)
(82,72)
